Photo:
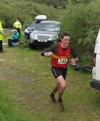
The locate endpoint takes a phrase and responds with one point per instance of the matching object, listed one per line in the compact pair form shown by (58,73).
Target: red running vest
(61,59)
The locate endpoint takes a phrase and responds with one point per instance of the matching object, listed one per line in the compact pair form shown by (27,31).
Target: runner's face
(65,41)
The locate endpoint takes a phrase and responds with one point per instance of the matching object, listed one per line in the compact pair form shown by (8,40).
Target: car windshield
(48,27)
(33,25)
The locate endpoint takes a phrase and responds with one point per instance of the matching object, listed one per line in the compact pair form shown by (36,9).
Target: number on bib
(62,61)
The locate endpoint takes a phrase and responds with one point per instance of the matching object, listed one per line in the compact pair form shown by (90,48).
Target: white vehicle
(95,82)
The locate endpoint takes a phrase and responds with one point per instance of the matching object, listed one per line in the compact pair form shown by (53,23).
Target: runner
(60,54)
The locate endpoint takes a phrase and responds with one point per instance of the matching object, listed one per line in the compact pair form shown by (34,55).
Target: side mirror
(33,28)
(26,26)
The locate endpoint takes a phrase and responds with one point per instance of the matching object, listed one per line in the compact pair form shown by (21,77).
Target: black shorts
(59,71)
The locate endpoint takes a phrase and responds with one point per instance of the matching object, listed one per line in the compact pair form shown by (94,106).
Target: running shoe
(53,98)
(60,105)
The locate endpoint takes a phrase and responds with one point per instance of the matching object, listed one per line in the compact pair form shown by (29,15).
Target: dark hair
(64,34)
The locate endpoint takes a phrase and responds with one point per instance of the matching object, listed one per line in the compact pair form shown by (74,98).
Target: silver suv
(44,34)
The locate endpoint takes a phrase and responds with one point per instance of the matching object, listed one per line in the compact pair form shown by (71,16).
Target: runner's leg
(56,88)
(62,86)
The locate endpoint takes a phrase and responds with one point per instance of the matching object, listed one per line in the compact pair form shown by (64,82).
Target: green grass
(26,82)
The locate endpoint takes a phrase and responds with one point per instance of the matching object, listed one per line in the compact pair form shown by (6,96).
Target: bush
(25,11)
(82,22)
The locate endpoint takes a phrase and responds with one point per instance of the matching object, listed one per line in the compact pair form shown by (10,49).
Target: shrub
(82,22)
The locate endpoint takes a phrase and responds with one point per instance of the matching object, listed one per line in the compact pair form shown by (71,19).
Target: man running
(60,54)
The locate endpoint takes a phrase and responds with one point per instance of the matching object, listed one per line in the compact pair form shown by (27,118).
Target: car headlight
(54,37)
(32,36)
(26,31)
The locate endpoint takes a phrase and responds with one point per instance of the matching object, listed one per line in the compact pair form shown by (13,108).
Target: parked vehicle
(29,28)
(44,34)
(95,82)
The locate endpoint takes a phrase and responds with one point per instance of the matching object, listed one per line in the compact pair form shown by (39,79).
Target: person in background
(1,37)
(17,25)
(14,39)
(60,55)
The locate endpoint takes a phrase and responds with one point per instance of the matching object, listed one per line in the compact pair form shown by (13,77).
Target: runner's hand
(48,54)
(73,61)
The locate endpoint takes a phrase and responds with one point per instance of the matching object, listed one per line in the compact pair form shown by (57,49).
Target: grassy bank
(26,82)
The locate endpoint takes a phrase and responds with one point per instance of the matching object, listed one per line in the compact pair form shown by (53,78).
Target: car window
(33,24)
(48,27)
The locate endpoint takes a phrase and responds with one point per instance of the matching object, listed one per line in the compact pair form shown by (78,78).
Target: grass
(26,82)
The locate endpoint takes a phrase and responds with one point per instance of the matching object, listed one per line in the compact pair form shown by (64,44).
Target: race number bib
(62,61)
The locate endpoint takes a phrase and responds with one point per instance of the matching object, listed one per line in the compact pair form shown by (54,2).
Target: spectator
(15,38)
(17,25)
(1,37)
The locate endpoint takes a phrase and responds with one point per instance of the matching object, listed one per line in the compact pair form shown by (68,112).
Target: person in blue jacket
(14,39)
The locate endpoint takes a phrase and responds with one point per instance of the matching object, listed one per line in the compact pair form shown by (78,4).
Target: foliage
(80,1)
(54,3)
(82,22)
(61,3)
(25,11)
